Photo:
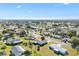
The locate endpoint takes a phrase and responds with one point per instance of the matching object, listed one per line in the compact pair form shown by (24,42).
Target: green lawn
(7,50)
(45,51)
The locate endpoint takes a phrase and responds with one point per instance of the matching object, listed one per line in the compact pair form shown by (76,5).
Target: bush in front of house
(27,53)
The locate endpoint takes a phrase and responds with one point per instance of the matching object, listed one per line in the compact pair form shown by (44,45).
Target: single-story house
(57,49)
(10,27)
(17,51)
(7,35)
(57,36)
(37,35)
(30,38)
(34,27)
(1,30)
(46,33)
(51,30)
(40,43)
(17,31)
(13,41)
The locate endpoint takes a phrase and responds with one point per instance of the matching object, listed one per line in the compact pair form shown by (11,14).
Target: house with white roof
(17,51)
(58,49)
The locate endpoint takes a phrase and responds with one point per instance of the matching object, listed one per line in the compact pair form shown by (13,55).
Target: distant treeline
(40,20)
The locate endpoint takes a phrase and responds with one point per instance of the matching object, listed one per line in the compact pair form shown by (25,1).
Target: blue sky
(38,10)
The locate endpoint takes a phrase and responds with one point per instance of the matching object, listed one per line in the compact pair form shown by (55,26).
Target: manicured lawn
(24,41)
(45,51)
(7,50)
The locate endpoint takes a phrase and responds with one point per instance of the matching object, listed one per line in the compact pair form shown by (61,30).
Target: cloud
(18,6)
(66,3)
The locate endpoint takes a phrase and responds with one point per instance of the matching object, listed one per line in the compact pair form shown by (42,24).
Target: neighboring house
(59,50)
(40,43)
(30,38)
(57,36)
(1,30)
(34,27)
(7,35)
(10,27)
(13,41)
(46,33)
(37,35)
(17,51)
(17,31)
(51,30)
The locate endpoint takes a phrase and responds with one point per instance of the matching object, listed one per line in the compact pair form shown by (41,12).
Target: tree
(1,52)
(41,30)
(71,33)
(28,26)
(11,34)
(27,53)
(31,45)
(0,36)
(75,42)
(38,48)
(5,31)
(43,38)
(22,33)
(2,45)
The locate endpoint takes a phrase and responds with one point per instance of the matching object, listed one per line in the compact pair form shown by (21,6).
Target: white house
(58,49)
(17,51)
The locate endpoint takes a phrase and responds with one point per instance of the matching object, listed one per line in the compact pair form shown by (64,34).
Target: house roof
(62,50)
(17,49)
(59,48)
(55,46)
(16,41)
(58,36)
(6,34)
(41,42)
(37,35)
(13,41)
